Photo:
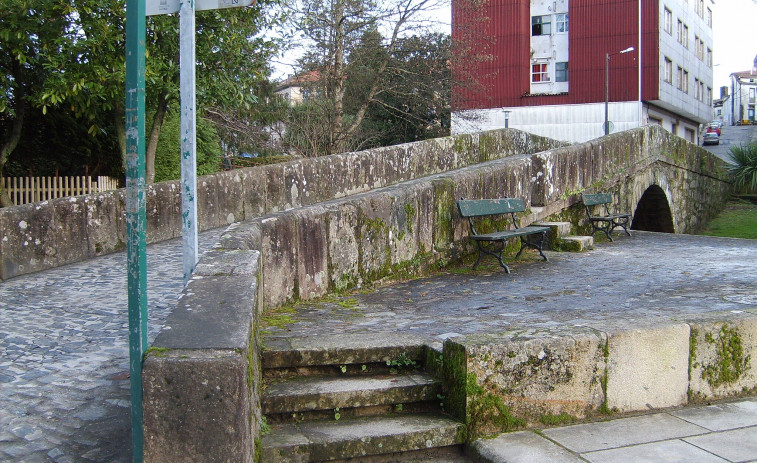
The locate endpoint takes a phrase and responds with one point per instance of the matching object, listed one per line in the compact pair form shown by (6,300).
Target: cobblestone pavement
(64,371)
(645,280)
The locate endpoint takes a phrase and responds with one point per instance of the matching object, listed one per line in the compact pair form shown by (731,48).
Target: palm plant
(744,167)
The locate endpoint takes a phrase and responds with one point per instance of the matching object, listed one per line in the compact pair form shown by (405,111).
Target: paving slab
(522,447)
(720,417)
(734,445)
(611,434)
(657,452)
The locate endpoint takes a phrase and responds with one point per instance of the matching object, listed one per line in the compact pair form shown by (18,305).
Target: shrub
(744,168)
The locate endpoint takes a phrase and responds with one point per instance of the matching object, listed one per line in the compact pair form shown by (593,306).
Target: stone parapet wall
(573,373)
(201,377)
(52,233)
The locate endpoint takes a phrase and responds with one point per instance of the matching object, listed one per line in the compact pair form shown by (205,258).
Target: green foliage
(737,220)
(730,362)
(402,362)
(59,57)
(168,154)
(744,168)
(487,412)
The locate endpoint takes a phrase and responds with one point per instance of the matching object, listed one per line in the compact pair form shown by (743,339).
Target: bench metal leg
(492,252)
(538,245)
(609,227)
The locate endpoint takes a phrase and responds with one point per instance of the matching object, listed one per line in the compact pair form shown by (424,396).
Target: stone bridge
(306,228)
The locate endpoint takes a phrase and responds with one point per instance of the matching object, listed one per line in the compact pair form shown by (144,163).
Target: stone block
(648,368)
(213,312)
(209,212)
(163,211)
(230,197)
(69,232)
(577,243)
(253,192)
(540,373)
(283,186)
(106,222)
(312,252)
(279,252)
(323,179)
(342,219)
(27,244)
(197,406)
(241,235)
(375,215)
(723,358)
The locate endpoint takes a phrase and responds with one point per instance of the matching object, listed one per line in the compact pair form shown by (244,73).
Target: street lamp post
(607,85)
(507,118)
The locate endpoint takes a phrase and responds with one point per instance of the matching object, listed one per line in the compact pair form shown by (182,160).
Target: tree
(414,101)
(57,54)
(30,32)
(332,28)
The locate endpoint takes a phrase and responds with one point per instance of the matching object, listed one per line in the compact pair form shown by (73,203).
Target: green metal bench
(607,222)
(493,244)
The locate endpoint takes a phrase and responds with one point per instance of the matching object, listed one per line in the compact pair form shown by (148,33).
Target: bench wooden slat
(597,198)
(479,207)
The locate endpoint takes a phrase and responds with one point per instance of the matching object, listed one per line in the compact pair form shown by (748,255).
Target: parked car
(711,138)
(713,128)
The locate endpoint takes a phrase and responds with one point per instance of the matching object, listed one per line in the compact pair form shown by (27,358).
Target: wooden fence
(23,190)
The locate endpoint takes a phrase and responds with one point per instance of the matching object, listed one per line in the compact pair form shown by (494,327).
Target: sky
(734,29)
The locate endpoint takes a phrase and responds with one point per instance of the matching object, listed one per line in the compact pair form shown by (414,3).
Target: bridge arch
(653,211)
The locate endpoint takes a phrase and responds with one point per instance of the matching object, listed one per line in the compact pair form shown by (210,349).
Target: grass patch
(738,220)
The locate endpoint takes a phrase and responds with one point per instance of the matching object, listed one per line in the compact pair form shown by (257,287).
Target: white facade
(685,63)
(549,46)
(743,90)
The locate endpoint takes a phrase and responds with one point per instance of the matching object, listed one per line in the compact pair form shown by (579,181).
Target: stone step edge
(342,350)
(337,440)
(325,393)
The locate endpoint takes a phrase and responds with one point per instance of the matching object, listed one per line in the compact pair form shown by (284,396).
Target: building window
(668,21)
(685,41)
(561,71)
(709,58)
(668,70)
(709,17)
(685,83)
(697,95)
(701,91)
(680,78)
(561,22)
(701,9)
(680,31)
(708,96)
(539,72)
(541,25)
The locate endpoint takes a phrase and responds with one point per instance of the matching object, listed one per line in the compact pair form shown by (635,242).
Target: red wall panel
(501,29)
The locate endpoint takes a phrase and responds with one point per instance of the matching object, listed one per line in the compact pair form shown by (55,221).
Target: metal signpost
(136,216)
(136,222)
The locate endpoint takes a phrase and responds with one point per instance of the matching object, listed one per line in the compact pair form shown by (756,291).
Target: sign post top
(156,7)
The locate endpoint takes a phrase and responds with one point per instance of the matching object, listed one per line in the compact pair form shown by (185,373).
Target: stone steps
(324,393)
(346,402)
(344,439)
(560,238)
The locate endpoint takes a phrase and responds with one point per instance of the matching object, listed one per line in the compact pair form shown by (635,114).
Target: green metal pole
(136,247)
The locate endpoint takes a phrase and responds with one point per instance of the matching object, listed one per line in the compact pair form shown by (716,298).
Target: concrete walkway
(724,432)
(64,386)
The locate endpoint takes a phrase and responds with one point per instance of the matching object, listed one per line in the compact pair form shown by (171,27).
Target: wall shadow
(653,212)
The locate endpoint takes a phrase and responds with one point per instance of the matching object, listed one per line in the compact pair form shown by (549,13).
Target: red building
(545,65)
